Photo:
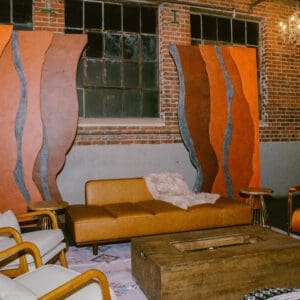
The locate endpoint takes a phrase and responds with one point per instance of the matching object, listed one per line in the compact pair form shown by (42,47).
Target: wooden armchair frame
(23,265)
(68,287)
(292,191)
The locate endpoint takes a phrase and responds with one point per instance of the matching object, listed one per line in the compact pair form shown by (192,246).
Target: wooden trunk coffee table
(223,263)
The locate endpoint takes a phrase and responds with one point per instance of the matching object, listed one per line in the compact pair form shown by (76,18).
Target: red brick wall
(280,75)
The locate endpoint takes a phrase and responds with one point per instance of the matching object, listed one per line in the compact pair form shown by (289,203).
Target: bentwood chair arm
(48,213)
(292,190)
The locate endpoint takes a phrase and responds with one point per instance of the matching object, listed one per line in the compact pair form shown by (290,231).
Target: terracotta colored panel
(33,46)
(242,138)
(218,112)
(245,60)
(59,107)
(197,111)
(10,195)
(5,35)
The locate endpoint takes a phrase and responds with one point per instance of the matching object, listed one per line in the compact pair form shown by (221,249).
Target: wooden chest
(223,263)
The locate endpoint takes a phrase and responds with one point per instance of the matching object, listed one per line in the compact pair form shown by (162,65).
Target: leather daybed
(119,209)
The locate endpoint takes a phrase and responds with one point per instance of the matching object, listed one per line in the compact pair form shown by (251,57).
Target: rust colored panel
(59,107)
(5,35)
(33,46)
(10,195)
(218,112)
(242,140)
(197,111)
(245,60)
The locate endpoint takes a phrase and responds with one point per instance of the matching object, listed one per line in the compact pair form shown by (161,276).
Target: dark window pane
(76,31)
(195,42)
(195,26)
(150,104)
(131,75)
(80,102)
(224,30)
(238,31)
(149,75)
(130,44)
(73,13)
(94,45)
(209,27)
(93,75)
(80,71)
(148,19)
(93,103)
(22,11)
(149,47)
(5,11)
(112,103)
(131,18)
(93,15)
(131,103)
(113,73)
(112,45)
(112,17)
(252,33)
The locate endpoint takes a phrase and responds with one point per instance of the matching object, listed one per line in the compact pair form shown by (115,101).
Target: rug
(115,261)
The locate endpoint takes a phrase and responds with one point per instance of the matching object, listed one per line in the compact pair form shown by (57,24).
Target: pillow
(11,290)
(8,219)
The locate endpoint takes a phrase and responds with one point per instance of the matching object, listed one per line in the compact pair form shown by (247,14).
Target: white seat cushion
(12,290)
(8,219)
(46,240)
(46,278)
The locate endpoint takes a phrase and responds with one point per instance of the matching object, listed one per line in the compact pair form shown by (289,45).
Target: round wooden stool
(257,202)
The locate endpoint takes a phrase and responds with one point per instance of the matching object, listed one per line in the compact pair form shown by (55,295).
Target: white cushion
(46,240)
(8,219)
(48,277)
(12,290)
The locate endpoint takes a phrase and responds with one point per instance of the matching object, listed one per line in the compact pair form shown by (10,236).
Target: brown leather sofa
(119,209)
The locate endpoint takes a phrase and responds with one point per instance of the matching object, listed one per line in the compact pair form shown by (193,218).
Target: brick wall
(279,68)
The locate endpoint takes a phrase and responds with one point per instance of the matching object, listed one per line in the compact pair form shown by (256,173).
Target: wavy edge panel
(10,195)
(218,117)
(241,146)
(59,107)
(5,34)
(32,56)
(245,59)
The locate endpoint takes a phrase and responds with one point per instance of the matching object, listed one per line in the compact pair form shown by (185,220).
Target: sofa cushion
(12,290)
(118,210)
(158,207)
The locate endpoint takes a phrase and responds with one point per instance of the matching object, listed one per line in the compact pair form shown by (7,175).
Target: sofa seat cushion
(159,207)
(126,209)
(87,213)
(48,277)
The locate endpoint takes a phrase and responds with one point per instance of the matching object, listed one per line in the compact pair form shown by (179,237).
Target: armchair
(51,281)
(293,216)
(49,242)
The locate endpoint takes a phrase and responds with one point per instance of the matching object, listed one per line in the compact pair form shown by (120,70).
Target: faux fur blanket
(172,188)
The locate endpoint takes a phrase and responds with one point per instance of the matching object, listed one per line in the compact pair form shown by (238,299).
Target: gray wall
(279,165)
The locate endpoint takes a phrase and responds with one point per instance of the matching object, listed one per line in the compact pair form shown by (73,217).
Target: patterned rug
(115,261)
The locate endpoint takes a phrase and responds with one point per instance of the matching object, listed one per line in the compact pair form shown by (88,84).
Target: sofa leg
(95,249)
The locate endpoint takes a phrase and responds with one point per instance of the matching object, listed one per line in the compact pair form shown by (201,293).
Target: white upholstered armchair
(49,242)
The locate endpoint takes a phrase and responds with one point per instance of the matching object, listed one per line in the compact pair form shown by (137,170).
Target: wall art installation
(36,88)
(218,115)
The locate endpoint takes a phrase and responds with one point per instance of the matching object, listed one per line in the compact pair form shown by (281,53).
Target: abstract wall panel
(218,115)
(59,107)
(23,57)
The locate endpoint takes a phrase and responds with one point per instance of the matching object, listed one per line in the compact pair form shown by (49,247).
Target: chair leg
(95,249)
(62,259)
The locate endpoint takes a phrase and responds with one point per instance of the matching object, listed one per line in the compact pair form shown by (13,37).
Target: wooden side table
(52,205)
(257,202)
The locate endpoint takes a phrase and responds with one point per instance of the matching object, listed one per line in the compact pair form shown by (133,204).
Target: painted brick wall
(279,68)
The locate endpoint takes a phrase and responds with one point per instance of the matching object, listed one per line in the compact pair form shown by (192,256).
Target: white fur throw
(172,188)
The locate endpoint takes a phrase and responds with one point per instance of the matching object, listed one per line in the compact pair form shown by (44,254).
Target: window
(16,12)
(118,71)
(222,30)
